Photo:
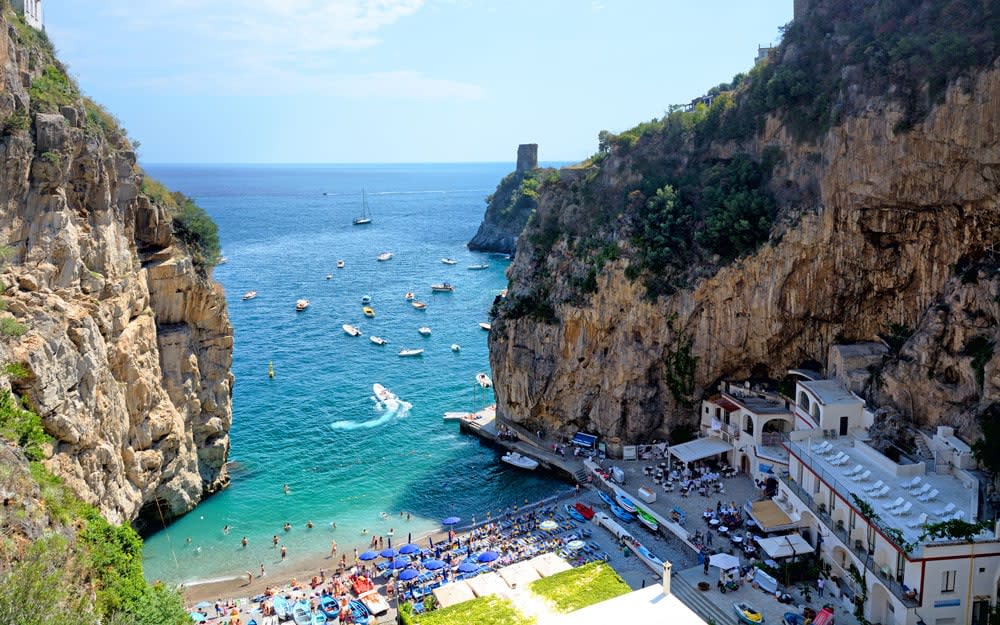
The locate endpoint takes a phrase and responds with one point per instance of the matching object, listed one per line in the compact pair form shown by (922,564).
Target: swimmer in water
(245,542)
(287,490)
(309,524)
(225,530)
(288,527)
(364,531)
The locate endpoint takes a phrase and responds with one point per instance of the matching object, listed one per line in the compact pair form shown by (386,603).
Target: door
(843,426)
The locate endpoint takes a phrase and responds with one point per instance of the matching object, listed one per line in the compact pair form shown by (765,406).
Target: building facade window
(948,581)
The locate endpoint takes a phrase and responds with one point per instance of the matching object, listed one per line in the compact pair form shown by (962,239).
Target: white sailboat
(365,217)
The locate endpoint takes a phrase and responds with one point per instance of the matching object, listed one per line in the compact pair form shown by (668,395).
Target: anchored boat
(522,462)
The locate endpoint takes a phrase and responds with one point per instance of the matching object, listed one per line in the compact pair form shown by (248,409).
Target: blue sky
(368,81)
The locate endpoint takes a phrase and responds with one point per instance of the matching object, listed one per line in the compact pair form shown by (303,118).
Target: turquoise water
(315,426)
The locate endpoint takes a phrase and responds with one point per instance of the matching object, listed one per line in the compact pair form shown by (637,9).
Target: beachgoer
(262,569)
(274,540)
(407,516)
(364,531)
(309,525)
(333,548)
(287,490)
(333,524)
(218,608)
(284,552)
(225,530)
(288,526)
(249,577)
(244,542)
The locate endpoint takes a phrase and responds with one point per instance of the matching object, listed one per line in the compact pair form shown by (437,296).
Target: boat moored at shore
(517,460)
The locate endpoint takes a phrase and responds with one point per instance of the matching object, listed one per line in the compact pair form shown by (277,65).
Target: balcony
(857,548)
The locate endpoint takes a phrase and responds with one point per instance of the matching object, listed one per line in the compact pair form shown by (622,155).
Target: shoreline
(305,567)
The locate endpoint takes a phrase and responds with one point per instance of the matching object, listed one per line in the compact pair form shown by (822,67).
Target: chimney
(666,577)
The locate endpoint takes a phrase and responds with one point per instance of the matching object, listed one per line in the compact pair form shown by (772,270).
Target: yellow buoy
(270,370)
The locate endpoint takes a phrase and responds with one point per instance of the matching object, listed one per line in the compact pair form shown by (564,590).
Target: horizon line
(357,163)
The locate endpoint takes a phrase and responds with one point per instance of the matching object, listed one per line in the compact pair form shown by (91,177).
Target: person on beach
(262,569)
(333,548)
(225,530)
(284,552)
(245,542)
(249,578)
(407,516)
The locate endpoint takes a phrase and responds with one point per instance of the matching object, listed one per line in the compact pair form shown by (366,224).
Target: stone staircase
(923,451)
(701,603)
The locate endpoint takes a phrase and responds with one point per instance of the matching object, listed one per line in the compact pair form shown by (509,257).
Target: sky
(398,81)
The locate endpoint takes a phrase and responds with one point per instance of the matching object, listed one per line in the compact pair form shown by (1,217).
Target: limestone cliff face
(127,346)
(508,208)
(872,226)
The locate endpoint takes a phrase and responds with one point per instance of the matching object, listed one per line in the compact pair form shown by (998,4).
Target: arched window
(815,411)
(748,428)
(803,401)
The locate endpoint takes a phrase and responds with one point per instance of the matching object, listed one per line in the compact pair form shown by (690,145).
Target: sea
(316,427)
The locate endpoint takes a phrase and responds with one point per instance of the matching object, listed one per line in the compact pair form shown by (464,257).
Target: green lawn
(489,610)
(577,588)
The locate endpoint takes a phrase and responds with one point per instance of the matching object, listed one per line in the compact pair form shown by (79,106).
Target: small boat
(365,218)
(793,618)
(621,514)
(747,614)
(570,510)
(378,340)
(249,295)
(375,602)
(411,352)
(318,618)
(484,380)
(424,331)
(606,497)
(409,296)
(301,613)
(366,299)
(329,606)
(449,261)
(418,305)
(646,553)
(329,276)
(626,503)
(444,287)
(478,267)
(222,260)
(368,311)
(270,369)
(646,519)
(486,326)
(351,330)
(455,416)
(359,612)
(455,347)
(517,460)
(585,510)
(384,256)
(340,264)
(383,394)
(281,608)
(301,305)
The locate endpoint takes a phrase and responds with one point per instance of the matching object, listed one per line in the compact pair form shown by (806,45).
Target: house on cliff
(31,10)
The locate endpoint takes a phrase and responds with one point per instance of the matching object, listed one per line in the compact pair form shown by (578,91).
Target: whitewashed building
(31,10)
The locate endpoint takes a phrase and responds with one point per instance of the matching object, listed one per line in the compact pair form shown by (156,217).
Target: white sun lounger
(945,511)
(861,477)
(929,496)
(882,492)
(843,460)
(857,469)
(919,521)
(834,457)
(958,516)
(899,501)
(904,510)
(874,487)
(923,490)
(911,483)
(822,447)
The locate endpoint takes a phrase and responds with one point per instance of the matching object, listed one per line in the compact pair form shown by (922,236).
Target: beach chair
(958,516)
(923,490)
(899,502)
(861,477)
(857,469)
(874,487)
(945,511)
(882,492)
(929,496)
(904,510)
(834,456)
(817,446)
(919,521)
(843,460)
(911,483)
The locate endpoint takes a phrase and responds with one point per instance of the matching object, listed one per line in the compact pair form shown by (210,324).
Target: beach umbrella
(451,520)
(468,566)
(203,605)
(409,548)
(388,553)
(575,545)
(433,565)
(408,574)
(548,525)
(368,555)
(488,556)
(197,617)
(400,563)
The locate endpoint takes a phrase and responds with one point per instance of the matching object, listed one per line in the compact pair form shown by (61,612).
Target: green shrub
(51,89)
(51,157)
(980,349)
(191,223)
(16,122)
(43,588)
(16,370)
(99,122)
(10,327)
(22,426)
(581,586)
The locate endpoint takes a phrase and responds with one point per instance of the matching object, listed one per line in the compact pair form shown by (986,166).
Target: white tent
(724,561)
(700,448)
(785,546)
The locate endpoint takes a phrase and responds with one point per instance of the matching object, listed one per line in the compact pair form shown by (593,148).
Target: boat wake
(386,403)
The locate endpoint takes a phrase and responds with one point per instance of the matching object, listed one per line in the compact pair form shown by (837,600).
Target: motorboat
(411,352)
(329,276)
(368,311)
(627,504)
(647,554)
(382,393)
(621,514)
(424,331)
(249,295)
(449,261)
(646,519)
(301,305)
(375,602)
(478,267)
(351,330)
(585,510)
(484,380)
(418,305)
(455,347)
(521,462)
(366,299)
(409,296)
(359,612)
(444,287)
(572,512)
(302,613)
(486,326)
(606,497)
(747,614)
(281,608)
(329,607)
(384,256)
(340,264)
(378,340)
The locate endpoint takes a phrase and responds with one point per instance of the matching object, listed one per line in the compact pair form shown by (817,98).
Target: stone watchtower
(527,157)
(31,10)
(799,8)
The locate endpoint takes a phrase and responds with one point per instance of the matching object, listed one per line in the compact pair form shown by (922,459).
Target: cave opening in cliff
(153,517)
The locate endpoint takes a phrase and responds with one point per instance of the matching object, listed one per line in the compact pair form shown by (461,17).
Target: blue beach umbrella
(468,566)
(368,555)
(400,563)
(488,556)
(408,574)
(433,565)
(451,520)
(388,553)
(409,548)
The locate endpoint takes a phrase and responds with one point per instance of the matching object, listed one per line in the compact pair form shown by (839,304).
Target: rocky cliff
(508,208)
(616,321)
(109,330)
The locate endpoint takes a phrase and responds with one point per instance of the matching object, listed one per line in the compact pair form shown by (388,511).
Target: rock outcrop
(873,222)
(510,206)
(110,331)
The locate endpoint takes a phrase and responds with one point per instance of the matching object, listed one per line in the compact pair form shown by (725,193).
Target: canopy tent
(724,561)
(487,584)
(787,546)
(700,448)
(453,593)
(521,573)
(769,517)
(549,564)
(584,440)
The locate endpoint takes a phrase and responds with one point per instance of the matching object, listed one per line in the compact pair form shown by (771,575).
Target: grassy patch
(22,426)
(10,327)
(582,586)
(16,370)
(51,89)
(490,610)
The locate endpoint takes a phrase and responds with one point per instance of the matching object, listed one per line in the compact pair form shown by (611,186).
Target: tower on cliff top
(527,157)
(31,10)
(799,8)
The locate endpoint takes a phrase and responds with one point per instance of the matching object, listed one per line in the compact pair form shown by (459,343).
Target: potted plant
(704,586)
